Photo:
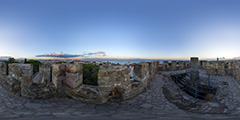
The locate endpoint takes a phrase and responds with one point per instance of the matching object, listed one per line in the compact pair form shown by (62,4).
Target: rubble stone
(19,71)
(112,76)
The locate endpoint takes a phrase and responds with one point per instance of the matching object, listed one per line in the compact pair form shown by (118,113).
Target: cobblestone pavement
(151,104)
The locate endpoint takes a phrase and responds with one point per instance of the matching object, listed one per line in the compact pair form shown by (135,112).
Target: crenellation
(174,65)
(181,65)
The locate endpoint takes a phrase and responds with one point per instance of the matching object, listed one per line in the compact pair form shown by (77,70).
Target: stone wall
(114,77)
(141,71)
(142,77)
(230,68)
(69,74)
(46,70)
(57,80)
(237,71)
(153,68)
(174,65)
(181,65)
(20,71)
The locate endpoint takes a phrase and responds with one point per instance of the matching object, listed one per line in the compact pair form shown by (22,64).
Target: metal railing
(195,89)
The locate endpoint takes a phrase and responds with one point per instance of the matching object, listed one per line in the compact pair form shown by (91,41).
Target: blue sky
(120,28)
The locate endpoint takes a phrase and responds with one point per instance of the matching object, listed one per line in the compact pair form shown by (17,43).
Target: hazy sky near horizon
(120,28)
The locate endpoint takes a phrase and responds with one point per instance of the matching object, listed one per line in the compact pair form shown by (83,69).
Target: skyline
(120,29)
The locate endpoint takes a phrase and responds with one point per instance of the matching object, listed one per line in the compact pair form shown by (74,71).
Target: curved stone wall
(231,68)
(174,65)
(61,80)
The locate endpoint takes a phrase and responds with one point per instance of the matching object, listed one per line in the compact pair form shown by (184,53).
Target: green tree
(11,60)
(90,74)
(25,60)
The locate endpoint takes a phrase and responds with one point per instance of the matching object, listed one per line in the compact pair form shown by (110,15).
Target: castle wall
(46,70)
(69,74)
(20,71)
(174,65)
(56,80)
(114,77)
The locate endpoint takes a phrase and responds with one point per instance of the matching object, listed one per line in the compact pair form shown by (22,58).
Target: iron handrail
(178,80)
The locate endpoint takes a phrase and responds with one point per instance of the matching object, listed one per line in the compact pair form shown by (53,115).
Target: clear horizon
(146,29)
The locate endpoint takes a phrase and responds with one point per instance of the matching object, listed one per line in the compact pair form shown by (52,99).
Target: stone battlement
(231,68)
(61,80)
(174,65)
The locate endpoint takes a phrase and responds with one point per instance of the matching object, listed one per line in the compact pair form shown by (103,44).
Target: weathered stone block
(165,65)
(230,65)
(46,70)
(112,76)
(174,65)
(154,67)
(221,68)
(58,74)
(74,75)
(73,80)
(71,74)
(74,68)
(187,64)
(237,71)
(19,71)
(141,71)
(181,65)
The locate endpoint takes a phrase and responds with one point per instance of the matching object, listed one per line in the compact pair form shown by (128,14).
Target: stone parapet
(20,71)
(174,65)
(114,77)
(69,74)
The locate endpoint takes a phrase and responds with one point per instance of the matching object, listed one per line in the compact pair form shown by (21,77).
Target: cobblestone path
(151,104)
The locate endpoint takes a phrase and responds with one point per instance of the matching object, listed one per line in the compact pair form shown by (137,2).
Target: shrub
(90,74)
